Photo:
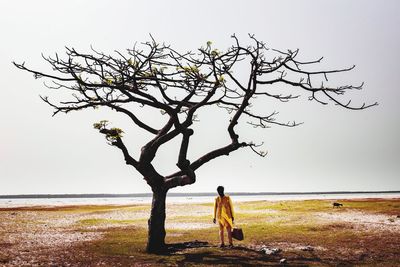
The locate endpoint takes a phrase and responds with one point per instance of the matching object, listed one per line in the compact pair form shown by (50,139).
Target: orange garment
(223,211)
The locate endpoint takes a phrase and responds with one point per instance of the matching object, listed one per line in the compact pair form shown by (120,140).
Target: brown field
(363,232)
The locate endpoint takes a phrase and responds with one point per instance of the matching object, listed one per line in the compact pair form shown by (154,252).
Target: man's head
(220,190)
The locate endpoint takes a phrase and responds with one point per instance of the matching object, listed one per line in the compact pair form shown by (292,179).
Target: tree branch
(179,85)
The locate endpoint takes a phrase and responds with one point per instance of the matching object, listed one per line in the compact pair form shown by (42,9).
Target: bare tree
(180,84)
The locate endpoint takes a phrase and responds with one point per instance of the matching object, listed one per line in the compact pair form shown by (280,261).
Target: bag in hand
(237,233)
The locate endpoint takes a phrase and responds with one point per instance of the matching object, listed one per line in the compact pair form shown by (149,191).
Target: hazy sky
(335,149)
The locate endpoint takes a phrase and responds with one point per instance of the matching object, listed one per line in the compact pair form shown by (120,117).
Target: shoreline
(172,200)
(194,194)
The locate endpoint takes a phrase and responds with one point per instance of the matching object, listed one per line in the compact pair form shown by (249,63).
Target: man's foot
(230,246)
(222,245)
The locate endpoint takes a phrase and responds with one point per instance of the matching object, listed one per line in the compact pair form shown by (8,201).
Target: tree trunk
(156,223)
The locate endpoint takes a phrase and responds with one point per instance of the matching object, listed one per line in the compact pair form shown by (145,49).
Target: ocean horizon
(176,198)
(110,195)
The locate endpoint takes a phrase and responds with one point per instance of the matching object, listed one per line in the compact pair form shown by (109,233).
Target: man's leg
(229,230)
(221,234)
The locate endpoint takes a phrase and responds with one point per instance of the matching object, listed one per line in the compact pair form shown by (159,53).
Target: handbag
(237,233)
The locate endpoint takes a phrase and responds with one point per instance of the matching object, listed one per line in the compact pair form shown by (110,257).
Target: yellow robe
(223,211)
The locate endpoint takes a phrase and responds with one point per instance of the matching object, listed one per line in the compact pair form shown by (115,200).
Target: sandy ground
(363,220)
(27,236)
(36,236)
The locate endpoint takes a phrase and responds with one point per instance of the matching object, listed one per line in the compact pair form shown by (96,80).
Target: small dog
(337,204)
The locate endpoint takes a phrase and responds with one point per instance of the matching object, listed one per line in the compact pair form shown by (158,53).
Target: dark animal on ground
(337,204)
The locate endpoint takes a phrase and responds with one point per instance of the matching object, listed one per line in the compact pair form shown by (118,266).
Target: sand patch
(289,246)
(26,241)
(363,220)
(194,211)
(188,226)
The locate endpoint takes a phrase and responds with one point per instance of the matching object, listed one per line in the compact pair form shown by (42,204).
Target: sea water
(20,202)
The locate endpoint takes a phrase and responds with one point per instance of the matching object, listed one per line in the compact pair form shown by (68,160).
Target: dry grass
(311,232)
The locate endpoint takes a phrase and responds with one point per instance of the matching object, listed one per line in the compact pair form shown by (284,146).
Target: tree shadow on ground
(205,254)
(200,252)
(178,247)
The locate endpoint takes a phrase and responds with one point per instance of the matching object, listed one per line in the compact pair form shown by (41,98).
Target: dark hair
(220,190)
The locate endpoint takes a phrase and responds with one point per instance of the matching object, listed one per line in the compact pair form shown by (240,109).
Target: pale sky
(335,149)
